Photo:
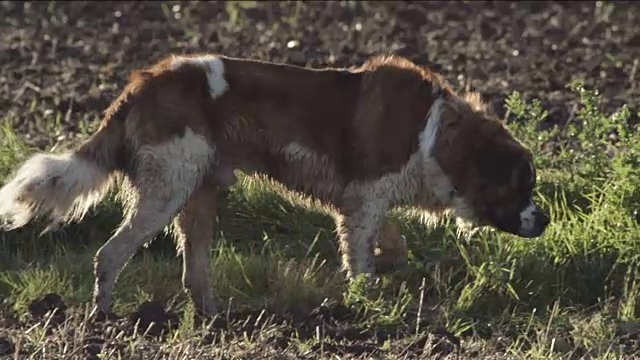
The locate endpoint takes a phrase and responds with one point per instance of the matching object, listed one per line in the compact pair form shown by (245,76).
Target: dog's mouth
(530,222)
(539,227)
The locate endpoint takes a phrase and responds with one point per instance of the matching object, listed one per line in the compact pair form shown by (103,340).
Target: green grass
(566,295)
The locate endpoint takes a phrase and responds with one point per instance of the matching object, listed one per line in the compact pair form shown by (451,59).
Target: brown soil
(71,59)
(334,324)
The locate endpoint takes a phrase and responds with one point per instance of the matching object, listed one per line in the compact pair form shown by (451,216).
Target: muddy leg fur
(166,176)
(357,226)
(194,231)
(391,252)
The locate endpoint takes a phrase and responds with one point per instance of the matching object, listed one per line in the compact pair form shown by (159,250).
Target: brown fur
(347,138)
(194,233)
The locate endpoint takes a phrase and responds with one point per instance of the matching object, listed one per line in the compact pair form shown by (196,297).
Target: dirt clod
(337,312)
(6,346)
(104,317)
(92,347)
(50,305)
(443,342)
(152,319)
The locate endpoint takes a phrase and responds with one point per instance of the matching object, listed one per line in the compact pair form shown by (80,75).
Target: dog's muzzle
(533,221)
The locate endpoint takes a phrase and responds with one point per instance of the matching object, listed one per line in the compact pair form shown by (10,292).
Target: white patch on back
(527,217)
(214,68)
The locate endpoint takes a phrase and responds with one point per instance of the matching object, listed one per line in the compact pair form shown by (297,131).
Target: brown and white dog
(360,141)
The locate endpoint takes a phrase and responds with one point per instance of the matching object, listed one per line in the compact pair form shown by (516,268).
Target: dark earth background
(74,58)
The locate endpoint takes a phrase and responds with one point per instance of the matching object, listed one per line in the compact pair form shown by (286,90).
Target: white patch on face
(527,217)
(214,68)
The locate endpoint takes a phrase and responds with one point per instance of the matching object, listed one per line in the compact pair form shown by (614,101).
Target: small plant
(234,10)
(592,143)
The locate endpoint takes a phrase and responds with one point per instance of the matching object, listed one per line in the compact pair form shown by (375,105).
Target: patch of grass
(569,294)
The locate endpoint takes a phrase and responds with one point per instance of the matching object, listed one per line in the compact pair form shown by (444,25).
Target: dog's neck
(434,192)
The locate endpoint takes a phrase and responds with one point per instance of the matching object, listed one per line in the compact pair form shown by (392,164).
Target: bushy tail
(64,186)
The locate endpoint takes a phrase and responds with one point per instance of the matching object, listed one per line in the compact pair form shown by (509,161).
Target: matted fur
(359,142)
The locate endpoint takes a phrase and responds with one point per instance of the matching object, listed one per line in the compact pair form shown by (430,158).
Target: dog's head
(493,176)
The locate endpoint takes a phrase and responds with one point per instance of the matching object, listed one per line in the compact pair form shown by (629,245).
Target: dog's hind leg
(164,178)
(194,228)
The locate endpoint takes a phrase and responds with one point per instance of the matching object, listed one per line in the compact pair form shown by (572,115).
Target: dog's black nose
(540,224)
(542,219)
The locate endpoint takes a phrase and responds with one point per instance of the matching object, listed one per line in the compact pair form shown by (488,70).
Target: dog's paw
(391,252)
(364,281)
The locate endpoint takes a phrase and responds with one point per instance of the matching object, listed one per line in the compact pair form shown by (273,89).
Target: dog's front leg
(357,225)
